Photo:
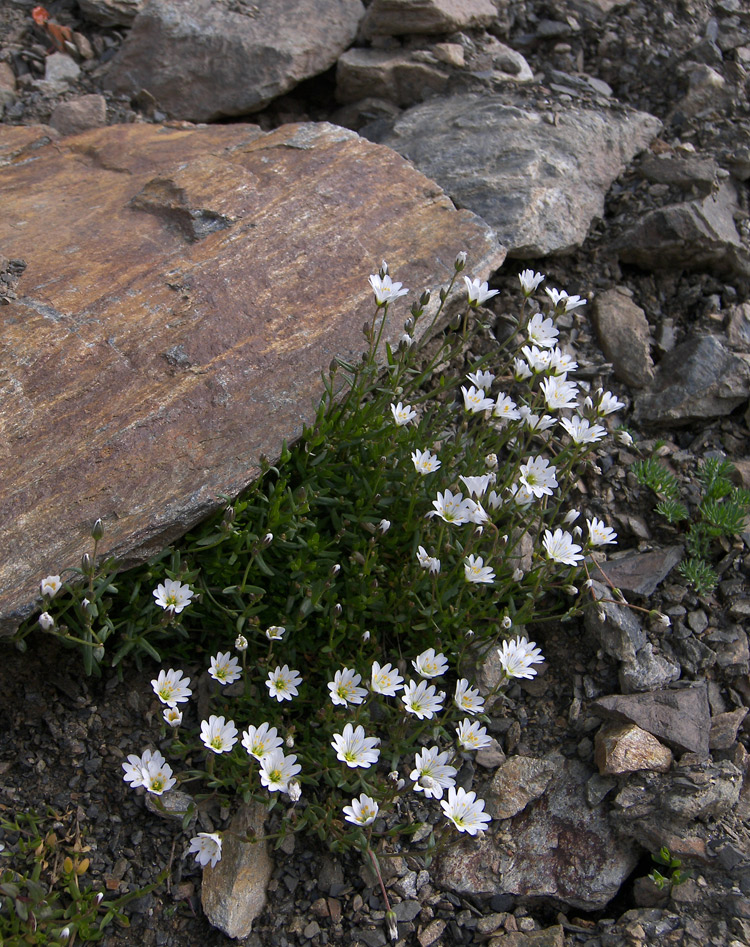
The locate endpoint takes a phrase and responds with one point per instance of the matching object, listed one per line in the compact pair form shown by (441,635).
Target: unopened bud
(391,922)
(86,562)
(294,790)
(365,635)
(425,298)
(267,539)
(383,270)
(290,740)
(337,609)
(99,653)
(97,530)
(46,621)
(470,633)
(490,461)
(409,325)
(240,643)
(460,261)
(335,569)
(506,623)
(64,933)
(570,590)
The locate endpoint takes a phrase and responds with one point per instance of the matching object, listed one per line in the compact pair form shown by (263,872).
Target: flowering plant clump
(420,525)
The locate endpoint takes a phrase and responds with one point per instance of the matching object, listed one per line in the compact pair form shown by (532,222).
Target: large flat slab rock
(183,290)
(538,178)
(207,59)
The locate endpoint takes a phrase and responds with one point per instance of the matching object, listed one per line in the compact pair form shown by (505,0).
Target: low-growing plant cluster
(341,606)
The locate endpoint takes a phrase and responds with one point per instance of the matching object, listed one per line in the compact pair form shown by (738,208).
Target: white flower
(517,656)
(385,289)
(171,688)
(206,846)
(460,262)
(422,699)
(608,404)
(465,811)
(490,462)
(521,369)
(426,561)
(505,408)
(538,476)
(46,621)
(50,586)
(475,400)
(403,413)
(362,811)
(240,643)
(581,431)
(477,514)
(538,359)
(561,548)
(224,668)
(431,775)
(494,500)
(294,790)
(559,392)
(482,379)
(453,509)
(571,516)
(624,437)
(562,301)
(478,292)
(354,748)
(275,632)
(560,363)
(259,741)
(520,494)
(385,680)
(276,770)
(344,688)
(476,571)
(542,332)
(535,422)
(467,698)
(478,485)
(406,339)
(135,766)
(384,526)
(218,735)
(173,595)
(429,665)
(599,533)
(172,716)
(282,683)
(529,281)
(472,735)
(157,777)
(425,462)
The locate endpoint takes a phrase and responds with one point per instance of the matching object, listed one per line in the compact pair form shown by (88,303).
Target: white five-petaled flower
(422,699)
(362,811)
(432,773)
(476,571)
(562,301)
(520,494)
(259,741)
(157,777)
(385,680)
(505,408)
(172,716)
(517,657)
(171,688)
(425,462)
(472,735)
(206,846)
(542,332)
(344,689)
(354,748)
(608,404)
(275,632)
(599,533)
(561,548)
(529,281)
(537,359)
(538,476)
(50,586)
(385,289)
(477,486)
(429,665)
(173,595)
(224,668)
(560,363)
(276,770)
(559,392)
(135,766)
(475,400)
(218,735)
(467,697)
(465,811)
(426,561)
(482,379)
(453,509)
(282,683)
(403,413)
(535,422)
(478,291)
(582,431)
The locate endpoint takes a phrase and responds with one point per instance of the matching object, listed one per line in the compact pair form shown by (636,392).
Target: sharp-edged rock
(111,12)
(184,288)
(624,336)
(538,178)
(641,572)
(201,61)
(401,17)
(626,748)
(517,782)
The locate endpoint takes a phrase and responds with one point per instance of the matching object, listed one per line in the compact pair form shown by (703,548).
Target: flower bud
(570,590)
(424,298)
(365,635)
(99,653)
(383,270)
(46,621)
(337,610)
(490,461)
(294,790)
(506,623)
(392,924)
(335,569)
(240,643)
(460,261)
(97,530)
(86,562)
(267,540)
(409,325)
(64,933)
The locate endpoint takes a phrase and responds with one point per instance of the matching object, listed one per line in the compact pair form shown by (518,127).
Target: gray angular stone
(697,379)
(624,336)
(626,748)
(642,572)
(395,76)
(59,67)
(111,12)
(202,61)
(538,178)
(517,782)
(400,17)
(679,717)
(724,728)
(647,671)
(79,114)
(615,626)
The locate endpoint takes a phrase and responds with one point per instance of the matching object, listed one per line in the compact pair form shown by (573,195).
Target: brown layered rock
(183,289)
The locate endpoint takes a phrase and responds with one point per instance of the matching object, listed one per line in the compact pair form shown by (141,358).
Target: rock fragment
(626,749)
(79,114)
(624,336)
(400,17)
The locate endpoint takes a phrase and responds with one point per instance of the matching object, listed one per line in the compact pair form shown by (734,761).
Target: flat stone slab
(184,287)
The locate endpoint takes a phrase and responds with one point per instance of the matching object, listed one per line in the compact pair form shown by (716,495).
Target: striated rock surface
(204,60)
(627,749)
(183,290)
(538,178)
(399,17)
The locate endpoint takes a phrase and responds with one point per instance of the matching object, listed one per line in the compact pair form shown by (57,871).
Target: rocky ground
(669,331)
